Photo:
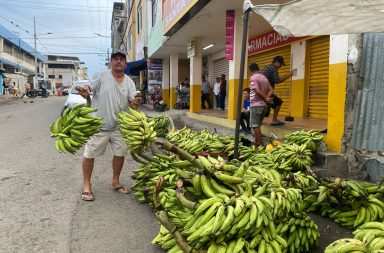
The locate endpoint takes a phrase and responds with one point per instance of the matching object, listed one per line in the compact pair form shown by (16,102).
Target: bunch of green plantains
(137,132)
(368,238)
(160,125)
(74,128)
(208,202)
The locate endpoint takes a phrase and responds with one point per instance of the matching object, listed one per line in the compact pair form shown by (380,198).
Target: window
(60,76)
(130,39)
(154,10)
(51,76)
(139,19)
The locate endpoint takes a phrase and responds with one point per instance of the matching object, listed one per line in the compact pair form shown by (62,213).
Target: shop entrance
(318,74)
(283,90)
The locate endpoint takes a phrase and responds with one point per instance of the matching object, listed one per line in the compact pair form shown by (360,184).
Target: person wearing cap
(272,74)
(113,92)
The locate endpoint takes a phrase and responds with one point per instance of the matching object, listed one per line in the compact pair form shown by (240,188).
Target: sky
(79,28)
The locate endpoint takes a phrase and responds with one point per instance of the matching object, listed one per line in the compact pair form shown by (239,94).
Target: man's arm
(134,97)
(258,91)
(94,86)
(289,75)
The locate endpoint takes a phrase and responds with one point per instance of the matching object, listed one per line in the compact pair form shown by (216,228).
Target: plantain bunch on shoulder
(137,132)
(74,128)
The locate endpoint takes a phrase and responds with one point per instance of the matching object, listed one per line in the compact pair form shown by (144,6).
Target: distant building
(17,60)
(83,73)
(118,24)
(62,71)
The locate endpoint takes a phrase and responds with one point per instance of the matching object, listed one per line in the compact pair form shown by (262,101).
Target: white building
(62,71)
(17,61)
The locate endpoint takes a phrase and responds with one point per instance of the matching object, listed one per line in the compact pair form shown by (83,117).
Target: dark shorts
(257,115)
(276,101)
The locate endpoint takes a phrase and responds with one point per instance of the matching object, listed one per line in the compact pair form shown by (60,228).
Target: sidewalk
(5,98)
(215,121)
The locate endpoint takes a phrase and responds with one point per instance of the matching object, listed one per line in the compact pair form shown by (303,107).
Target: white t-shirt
(110,97)
(216,88)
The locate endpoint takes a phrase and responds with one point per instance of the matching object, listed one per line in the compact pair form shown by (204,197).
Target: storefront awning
(322,17)
(134,67)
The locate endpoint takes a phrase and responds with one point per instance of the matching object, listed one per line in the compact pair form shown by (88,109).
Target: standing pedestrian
(113,92)
(272,74)
(205,86)
(216,91)
(223,91)
(14,90)
(245,112)
(27,89)
(261,92)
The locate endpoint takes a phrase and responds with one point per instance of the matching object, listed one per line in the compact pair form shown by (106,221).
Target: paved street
(40,206)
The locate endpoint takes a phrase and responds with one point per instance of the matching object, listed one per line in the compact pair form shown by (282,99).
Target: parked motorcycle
(42,92)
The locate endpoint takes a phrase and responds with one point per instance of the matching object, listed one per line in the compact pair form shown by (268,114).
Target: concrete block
(333,164)
(374,166)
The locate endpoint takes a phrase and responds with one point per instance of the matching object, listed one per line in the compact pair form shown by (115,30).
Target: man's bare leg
(117,166)
(275,114)
(87,174)
(258,136)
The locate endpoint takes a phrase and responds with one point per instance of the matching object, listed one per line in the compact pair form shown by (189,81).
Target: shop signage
(174,10)
(269,40)
(155,79)
(229,34)
(155,71)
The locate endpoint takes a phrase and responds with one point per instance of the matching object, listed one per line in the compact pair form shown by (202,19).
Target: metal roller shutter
(318,77)
(282,90)
(221,66)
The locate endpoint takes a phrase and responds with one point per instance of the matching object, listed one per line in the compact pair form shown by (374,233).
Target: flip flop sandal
(278,123)
(120,189)
(87,196)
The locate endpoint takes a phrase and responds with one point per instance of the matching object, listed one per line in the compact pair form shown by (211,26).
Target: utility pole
(34,38)
(19,64)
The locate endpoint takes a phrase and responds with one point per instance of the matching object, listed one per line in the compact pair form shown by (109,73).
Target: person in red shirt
(260,97)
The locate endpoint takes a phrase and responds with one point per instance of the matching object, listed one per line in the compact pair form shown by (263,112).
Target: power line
(54,4)
(51,8)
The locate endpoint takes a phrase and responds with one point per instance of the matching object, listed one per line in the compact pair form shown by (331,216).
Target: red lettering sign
(229,34)
(174,10)
(269,40)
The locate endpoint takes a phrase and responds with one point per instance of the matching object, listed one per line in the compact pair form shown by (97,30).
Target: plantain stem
(181,242)
(146,157)
(183,155)
(184,201)
(137,159)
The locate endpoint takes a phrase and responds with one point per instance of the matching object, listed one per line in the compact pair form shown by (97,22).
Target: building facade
(63,71)
(17,61)
(203,37)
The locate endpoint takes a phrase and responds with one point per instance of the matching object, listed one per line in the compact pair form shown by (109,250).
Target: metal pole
(34,38)
(241,80)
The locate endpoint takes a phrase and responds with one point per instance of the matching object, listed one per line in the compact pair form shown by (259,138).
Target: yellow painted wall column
(174,78)
(298,89)
(234,67)
(195,77)
(338,53)
(165,85)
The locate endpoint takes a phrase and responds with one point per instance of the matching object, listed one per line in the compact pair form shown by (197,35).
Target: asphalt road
(40,205)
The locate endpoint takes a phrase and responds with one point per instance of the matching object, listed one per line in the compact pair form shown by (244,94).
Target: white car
(74,97)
